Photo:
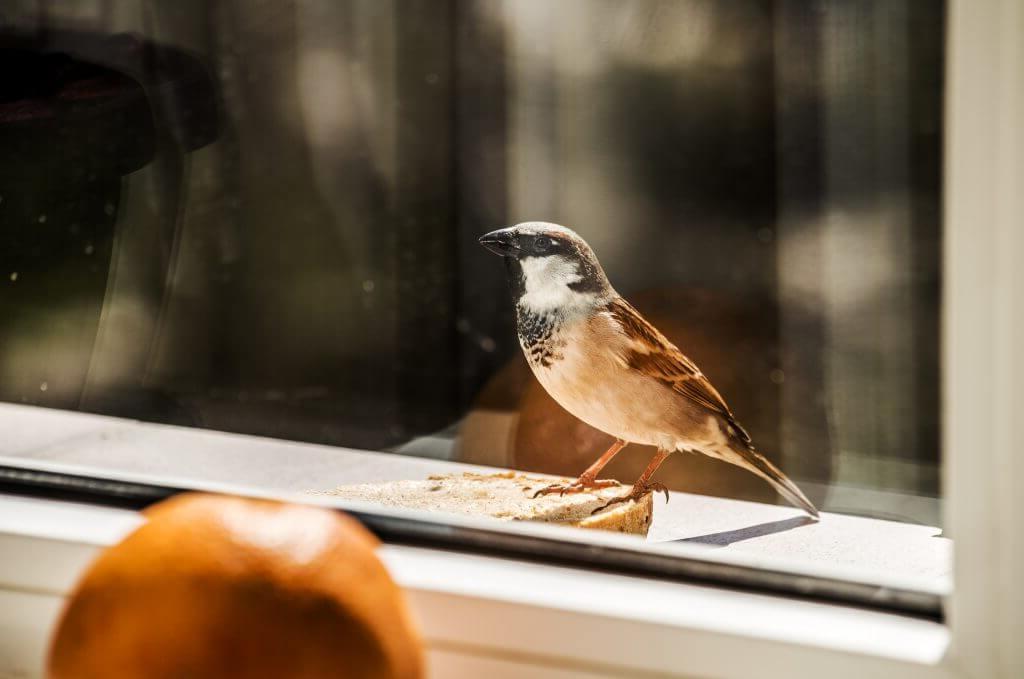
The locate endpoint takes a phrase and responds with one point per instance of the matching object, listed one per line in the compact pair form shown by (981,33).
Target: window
(263,220)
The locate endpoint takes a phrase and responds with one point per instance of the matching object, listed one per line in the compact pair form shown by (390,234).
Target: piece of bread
(507,496)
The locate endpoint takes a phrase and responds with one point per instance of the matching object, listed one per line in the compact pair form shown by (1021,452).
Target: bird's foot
(635,495)
(580,485)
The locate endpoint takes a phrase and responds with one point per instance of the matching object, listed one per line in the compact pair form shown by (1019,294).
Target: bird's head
(550,267)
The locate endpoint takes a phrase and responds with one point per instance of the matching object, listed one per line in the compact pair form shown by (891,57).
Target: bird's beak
(502,242)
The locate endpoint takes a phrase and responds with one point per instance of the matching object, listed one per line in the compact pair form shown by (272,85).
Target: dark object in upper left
(79,111)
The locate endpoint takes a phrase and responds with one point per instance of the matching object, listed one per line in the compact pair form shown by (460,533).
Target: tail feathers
(760,465)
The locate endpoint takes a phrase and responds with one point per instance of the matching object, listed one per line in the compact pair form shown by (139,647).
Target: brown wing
(658,358)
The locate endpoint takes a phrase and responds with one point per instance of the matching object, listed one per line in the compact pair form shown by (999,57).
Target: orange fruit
(215,587)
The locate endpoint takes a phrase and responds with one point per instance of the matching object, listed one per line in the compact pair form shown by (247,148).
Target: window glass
(263,218)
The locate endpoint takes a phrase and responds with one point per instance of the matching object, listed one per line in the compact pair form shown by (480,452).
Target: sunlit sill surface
(906,555)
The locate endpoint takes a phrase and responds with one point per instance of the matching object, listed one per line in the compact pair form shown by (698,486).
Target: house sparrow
(601,361)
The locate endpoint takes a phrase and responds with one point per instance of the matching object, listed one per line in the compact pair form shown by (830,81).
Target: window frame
(983,331)
(983,383)
(512,618)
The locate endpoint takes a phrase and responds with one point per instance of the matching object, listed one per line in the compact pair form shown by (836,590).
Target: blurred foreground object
(507,496)
(214,587)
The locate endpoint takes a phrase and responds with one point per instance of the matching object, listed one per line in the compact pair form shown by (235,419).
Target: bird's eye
(543,243)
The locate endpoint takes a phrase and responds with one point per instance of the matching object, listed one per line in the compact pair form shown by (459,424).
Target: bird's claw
(658,488)
(635,495)
(577,486)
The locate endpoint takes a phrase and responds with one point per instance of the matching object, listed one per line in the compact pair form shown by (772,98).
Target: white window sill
(890,553)
(513,618)
(499,616)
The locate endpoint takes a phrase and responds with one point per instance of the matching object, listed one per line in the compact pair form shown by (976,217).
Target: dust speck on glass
(263,218)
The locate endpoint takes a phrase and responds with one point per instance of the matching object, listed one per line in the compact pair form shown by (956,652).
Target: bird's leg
(643,485)
(588,479)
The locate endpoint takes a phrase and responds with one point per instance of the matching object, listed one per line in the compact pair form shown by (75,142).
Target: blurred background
(262,218)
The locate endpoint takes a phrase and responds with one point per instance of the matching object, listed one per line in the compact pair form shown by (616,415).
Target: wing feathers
(653,355)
